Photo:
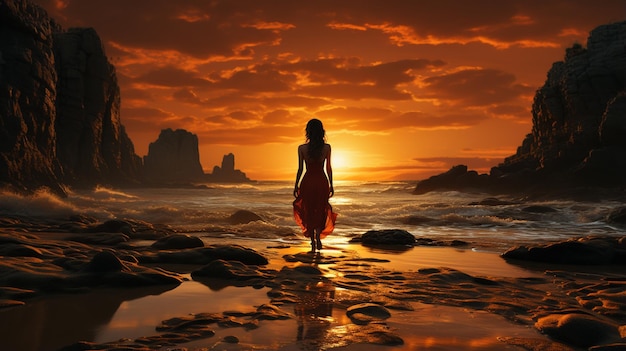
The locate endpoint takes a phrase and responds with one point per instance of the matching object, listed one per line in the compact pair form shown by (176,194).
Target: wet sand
(346,297)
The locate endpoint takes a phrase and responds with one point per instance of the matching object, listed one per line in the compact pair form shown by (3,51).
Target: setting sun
(339,161)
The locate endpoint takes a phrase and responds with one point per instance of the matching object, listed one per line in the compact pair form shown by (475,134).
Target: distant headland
(577,145)
(60,107)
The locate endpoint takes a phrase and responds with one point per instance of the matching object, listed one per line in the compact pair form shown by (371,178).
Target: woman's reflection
(314,310)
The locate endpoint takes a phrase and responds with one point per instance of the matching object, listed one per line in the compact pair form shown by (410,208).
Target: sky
(405,89)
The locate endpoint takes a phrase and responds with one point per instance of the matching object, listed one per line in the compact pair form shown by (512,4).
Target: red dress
(311,209)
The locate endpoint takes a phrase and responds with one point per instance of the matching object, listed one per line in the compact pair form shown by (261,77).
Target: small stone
(367,312)
(105,261)
(178,241)
(231,339)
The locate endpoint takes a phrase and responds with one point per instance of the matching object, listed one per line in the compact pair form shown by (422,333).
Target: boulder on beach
(205,255)
(243,217)
(385,237)
(586,251)
(365,313)
(178,241)
(105,261)
(580,330)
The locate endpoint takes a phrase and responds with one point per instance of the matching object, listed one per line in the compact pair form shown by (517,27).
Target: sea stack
(173,157)
(227,173)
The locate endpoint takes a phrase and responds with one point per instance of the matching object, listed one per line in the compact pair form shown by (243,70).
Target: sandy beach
(115,290)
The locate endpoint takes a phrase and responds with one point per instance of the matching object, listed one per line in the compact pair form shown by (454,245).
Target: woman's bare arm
(299,174)
(329,172)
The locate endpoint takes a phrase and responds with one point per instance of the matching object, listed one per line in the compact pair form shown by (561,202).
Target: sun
(339,160)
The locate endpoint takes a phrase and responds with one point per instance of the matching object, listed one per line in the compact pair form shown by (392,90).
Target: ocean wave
(112,193)
(42,203)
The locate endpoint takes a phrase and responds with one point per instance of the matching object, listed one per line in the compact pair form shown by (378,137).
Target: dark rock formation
(173,157)
(92,144)
(59,102)
(579,329)
(206,255)
(243,217)
(586,251)
(177,242)
(27,97)
(386,237)
(578,136)
(227,173)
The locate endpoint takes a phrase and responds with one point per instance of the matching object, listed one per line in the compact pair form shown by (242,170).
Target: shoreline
(421,297)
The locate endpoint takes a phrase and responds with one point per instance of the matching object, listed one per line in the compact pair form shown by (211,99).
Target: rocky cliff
(59,103)
(92,144)
(578,137)
(27,97)
(173,157)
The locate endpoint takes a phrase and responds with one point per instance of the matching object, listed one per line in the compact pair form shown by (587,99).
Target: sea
(489,226)
(495,224)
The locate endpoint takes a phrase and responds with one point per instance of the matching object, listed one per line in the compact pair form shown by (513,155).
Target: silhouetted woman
(311,208)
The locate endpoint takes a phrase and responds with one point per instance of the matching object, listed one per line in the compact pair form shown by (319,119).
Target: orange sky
(406,89)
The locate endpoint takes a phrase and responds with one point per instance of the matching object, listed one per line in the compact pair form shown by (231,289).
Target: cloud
(357,119)
(474,87)
(172,77)
(195,28)
(259,135)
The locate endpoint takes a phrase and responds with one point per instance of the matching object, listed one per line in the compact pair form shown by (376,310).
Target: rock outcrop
(227,173)
(173,157)
(59,102)
(578,136)
(27,97)
(92,144)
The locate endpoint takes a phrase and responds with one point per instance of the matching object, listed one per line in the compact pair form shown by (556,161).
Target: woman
(311,208)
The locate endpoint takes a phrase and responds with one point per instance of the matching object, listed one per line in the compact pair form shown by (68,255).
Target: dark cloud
(264,134)
(379,119)
(277,117)
(172,77)
(187,96)
(475,87)
(521,113)
(145,113)
(196,28)
(262,78)
(458,120)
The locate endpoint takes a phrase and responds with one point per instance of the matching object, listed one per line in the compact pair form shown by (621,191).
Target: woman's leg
(318,239)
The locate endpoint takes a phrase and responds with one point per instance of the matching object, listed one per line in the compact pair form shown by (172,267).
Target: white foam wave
(40,204)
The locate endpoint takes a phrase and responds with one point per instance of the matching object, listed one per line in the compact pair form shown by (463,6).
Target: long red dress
(311,209)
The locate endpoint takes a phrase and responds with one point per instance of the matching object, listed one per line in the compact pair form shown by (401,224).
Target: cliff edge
(578,137)
(59,103)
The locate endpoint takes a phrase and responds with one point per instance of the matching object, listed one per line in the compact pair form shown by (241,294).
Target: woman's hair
(316,136)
